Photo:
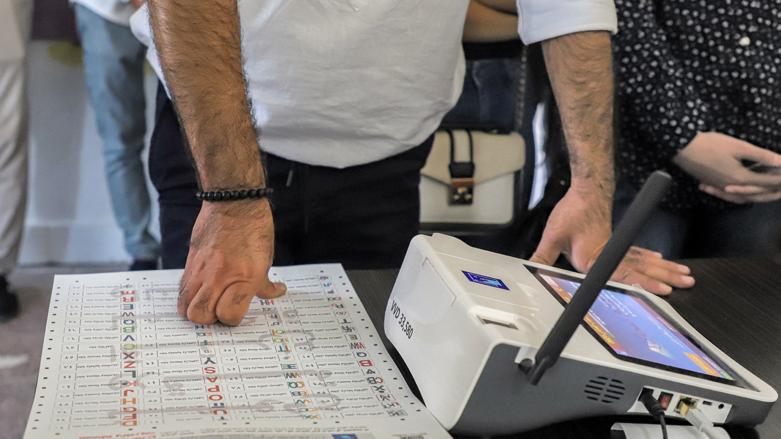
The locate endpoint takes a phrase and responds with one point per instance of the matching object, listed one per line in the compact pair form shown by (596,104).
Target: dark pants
(489,98)
(750,230)
(362,216)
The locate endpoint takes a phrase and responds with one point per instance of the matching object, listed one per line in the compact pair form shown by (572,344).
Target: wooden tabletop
(736,304)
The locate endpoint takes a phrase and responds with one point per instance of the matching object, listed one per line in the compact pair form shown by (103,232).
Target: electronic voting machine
(469,324)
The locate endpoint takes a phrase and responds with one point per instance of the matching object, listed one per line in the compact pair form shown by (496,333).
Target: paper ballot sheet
(120,362)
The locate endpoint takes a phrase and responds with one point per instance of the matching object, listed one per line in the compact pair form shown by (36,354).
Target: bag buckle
(462,174)
(461,191)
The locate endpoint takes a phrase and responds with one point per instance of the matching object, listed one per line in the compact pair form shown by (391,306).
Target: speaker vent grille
(604,389)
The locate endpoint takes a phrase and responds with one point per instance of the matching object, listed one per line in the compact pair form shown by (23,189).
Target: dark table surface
(736,304)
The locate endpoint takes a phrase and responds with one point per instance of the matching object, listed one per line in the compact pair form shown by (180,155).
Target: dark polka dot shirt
(685,66)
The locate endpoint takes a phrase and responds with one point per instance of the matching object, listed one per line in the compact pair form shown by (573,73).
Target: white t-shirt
(347,82)
(113,10)
(15,23)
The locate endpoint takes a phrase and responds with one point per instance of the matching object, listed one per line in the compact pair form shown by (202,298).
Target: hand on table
(580,226)
(231,251)
(716,161)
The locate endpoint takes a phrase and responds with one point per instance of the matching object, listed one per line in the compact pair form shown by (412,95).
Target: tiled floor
(21,340)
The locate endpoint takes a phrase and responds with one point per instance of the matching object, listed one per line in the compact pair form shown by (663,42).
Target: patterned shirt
(686,66)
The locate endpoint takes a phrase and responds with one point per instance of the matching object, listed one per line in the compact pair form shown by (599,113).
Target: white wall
(69,218)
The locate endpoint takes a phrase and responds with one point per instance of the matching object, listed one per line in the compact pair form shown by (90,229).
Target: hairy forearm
(581,72)
(484,24)
(199,43)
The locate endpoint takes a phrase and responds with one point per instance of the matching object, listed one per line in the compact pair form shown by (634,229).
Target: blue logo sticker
(485,280)
(344,436)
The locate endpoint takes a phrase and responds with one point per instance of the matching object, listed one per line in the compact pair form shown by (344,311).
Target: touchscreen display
(634,330)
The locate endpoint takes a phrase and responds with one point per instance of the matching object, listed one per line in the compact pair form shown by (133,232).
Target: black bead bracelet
(234,195)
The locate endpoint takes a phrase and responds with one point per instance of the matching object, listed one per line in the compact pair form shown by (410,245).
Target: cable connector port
(696,417)
(650,403)
(654,408)
(685,404)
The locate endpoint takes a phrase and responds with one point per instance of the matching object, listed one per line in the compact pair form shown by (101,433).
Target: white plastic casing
(449,343)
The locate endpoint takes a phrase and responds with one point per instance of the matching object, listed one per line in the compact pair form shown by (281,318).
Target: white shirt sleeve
(139,25)
(13,42)
(545,19)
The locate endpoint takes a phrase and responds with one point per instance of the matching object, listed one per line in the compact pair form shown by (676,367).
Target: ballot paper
(120,362)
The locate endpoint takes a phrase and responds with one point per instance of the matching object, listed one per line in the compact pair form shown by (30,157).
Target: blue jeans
(750,230)
(488,100)
(114,68)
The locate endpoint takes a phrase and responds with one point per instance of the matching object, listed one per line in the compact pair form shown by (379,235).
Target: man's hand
(579,227)
(581,71)
(231,252)
(199,43)
(136,3)
(716,161)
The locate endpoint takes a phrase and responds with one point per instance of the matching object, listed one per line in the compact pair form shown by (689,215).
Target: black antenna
(635,218)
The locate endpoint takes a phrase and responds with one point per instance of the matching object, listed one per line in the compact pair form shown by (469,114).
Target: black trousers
(362,216)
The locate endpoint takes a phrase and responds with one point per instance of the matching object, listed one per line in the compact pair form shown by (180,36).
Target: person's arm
(486,24)
(580,68)
(199,44)
(659,94)
(716,160)
(507,6)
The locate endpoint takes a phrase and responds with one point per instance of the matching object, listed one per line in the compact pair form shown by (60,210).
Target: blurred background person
(114,70)
(15,24)
(698,95)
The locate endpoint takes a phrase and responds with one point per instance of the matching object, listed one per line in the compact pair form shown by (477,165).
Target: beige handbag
(471,177)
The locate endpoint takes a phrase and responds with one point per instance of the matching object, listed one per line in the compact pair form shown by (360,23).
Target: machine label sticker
(485,280)
(406,327)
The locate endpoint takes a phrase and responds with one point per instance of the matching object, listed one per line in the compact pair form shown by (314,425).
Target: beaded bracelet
(234,195)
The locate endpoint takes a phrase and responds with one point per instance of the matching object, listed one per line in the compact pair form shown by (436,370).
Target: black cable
(663,423)
(654,408)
